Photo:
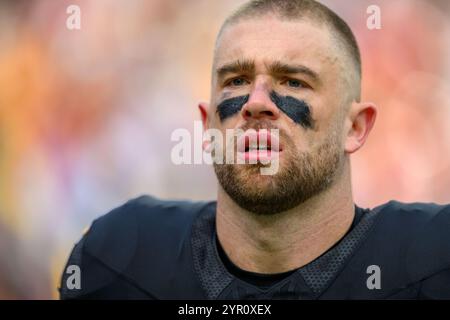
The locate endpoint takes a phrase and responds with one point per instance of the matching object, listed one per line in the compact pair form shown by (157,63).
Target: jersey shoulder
(421,231)
(144,233)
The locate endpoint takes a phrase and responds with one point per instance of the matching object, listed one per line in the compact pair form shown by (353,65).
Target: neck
(286,240)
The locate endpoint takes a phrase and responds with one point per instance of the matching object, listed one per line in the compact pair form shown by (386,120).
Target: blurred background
(86,115)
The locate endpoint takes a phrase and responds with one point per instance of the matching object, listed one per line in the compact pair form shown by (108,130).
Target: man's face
(277,63)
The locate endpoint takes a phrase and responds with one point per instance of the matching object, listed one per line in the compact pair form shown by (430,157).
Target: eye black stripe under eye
(298,110)
(231,106)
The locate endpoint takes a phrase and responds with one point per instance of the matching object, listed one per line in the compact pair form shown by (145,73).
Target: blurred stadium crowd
(86,115)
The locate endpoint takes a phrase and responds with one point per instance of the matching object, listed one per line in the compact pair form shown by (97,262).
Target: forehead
(268,38)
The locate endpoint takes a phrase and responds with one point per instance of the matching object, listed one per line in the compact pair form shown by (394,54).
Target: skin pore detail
(298,110)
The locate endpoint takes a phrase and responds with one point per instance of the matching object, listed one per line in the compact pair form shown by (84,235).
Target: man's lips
(260,145)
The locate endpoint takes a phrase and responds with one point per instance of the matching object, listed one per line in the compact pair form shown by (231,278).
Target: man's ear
(360,120)
(204,109)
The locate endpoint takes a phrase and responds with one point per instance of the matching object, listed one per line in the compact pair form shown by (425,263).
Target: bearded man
(287,73)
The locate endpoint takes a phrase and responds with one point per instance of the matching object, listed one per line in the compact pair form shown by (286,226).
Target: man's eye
(238,82)
(294,83)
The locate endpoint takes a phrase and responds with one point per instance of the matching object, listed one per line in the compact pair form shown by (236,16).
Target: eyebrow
(275,68)
(238,66)
(278,68)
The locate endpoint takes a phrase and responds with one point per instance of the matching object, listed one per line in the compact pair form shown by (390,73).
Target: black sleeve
(135,251)
(98,281)
(436,286)
(100,258)
(65,292)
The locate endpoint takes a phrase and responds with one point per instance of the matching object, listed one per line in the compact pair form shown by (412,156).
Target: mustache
(258,124)
(296,109)
(268,125)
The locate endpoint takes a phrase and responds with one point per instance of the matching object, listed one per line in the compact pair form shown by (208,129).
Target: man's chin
(252,173)
(254,184)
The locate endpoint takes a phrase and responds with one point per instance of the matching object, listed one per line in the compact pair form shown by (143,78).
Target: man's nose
(259,104)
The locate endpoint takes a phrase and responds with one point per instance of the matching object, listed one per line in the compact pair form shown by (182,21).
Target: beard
(301,175)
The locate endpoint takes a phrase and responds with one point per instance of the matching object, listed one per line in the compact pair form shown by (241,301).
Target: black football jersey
(154,249)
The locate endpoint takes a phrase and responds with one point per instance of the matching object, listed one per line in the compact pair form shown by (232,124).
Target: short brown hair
(310,9)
